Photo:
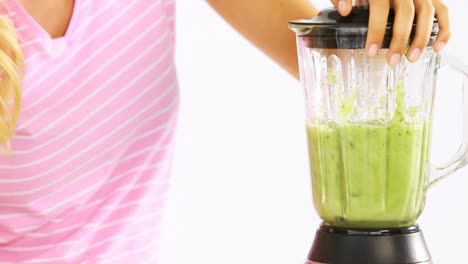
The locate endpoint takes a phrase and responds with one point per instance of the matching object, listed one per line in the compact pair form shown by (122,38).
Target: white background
(241,189)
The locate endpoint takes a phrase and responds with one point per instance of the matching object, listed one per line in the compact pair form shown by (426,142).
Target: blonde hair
(11,73)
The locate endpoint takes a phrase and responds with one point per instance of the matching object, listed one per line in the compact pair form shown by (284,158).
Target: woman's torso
(92,155)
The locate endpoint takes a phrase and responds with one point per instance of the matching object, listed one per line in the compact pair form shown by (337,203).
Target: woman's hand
(405,11)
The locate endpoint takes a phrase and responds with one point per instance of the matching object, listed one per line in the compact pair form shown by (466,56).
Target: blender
(369,132)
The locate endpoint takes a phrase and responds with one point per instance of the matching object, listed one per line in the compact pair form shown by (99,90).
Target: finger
(343,6)
(377,25)
(442,14)
(425,14)
(404,16)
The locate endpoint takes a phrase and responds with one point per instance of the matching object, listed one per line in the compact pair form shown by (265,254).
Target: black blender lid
(330,24)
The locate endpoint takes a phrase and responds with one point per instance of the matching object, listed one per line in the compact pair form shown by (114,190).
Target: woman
(88,122)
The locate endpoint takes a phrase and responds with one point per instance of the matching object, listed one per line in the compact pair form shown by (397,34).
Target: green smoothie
(369,175)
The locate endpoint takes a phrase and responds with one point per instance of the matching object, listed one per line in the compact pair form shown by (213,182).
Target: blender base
(391,246)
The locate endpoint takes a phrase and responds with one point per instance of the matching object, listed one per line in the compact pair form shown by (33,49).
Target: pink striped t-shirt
(94,143)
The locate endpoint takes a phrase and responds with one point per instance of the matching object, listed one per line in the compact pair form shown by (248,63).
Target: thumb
(343,6)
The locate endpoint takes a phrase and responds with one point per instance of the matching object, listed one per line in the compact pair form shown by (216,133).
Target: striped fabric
(94,143)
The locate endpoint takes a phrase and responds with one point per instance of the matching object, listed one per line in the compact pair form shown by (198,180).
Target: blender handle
(460,159)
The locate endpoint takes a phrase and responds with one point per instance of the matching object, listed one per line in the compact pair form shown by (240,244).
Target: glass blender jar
(369,132)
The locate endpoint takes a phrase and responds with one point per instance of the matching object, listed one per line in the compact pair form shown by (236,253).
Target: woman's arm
(265,24)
